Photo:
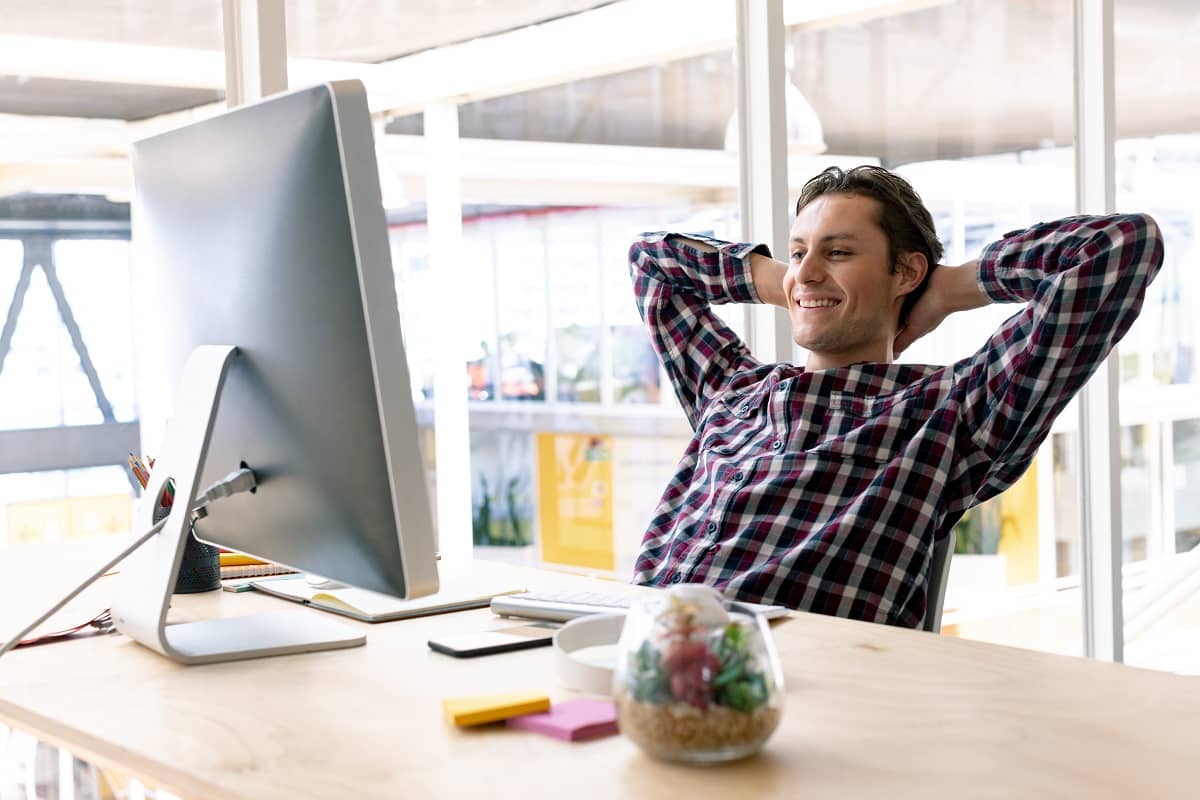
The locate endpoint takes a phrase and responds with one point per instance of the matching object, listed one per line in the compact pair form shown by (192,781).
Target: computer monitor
(261,240)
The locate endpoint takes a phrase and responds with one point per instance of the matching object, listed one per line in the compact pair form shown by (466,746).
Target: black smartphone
(485,643)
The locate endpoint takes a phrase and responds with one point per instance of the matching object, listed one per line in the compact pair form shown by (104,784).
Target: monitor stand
(147,578)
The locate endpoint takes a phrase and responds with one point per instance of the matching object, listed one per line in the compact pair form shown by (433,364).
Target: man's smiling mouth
(817,303)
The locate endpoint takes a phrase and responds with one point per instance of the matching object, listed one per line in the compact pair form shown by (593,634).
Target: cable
(101,623)
(236,482)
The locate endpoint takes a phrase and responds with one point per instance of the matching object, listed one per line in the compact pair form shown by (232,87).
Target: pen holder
(200,569)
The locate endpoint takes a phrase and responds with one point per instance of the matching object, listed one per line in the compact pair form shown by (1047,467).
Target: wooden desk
(871,712)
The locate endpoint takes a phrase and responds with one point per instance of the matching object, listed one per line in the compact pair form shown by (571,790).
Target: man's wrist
(767,276)
(958,287)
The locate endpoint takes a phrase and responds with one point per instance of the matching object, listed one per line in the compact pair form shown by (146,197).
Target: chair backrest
(939,571)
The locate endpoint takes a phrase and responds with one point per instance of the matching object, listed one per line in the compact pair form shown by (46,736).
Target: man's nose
(810,269)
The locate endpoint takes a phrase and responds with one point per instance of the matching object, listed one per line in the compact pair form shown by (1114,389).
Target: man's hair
(904,219)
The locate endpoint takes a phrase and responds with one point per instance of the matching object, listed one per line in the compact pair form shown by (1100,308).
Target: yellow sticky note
(466,711)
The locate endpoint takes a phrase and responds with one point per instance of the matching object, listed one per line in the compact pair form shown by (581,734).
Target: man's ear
(911,268)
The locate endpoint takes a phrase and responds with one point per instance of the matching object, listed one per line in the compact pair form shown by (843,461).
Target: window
(69,363)
(1157,164)
(574,430)
(917,93)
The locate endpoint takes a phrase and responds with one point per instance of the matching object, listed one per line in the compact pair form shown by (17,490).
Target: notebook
(240,565)
(254,570)
(457,592)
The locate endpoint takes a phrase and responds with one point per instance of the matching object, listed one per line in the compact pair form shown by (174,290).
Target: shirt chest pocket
(872,430)
(734,423)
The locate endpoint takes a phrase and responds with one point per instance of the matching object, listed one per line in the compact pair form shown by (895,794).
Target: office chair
(939,572)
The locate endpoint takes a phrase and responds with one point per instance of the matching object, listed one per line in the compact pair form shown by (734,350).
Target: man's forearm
(767,275)
(958,287)
(677,278)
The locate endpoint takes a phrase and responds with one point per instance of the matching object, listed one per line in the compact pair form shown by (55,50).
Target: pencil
(137,473)
(143,469)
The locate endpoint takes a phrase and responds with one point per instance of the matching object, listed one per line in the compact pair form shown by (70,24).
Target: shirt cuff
(739,282)
(994,279)
(726,262)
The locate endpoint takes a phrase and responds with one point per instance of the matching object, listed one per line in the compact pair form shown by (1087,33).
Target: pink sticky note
(571,721)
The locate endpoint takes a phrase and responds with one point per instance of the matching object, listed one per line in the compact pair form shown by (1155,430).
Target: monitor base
(147,579)
(274,633)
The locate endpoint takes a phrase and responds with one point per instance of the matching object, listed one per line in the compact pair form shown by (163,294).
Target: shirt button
(676,578)
(712,548)
(712,526)
(738,476)
(744,410)
(775,445)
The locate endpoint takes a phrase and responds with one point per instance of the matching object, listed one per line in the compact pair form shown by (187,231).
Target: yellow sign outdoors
(53,520)
(575,504)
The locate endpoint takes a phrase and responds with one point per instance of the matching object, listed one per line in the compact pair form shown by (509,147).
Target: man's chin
(817,345)
(807,340)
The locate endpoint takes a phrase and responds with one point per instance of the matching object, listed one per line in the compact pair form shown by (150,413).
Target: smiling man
(823,487)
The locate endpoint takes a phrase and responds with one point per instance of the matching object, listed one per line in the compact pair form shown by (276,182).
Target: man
(824,487)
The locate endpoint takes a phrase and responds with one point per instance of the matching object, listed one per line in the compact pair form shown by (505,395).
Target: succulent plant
(689,663)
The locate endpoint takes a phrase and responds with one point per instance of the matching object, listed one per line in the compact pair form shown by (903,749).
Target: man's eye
(839,252)
(798,255)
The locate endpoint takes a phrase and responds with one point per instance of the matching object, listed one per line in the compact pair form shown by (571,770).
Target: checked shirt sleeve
(676,278)
(1083,280)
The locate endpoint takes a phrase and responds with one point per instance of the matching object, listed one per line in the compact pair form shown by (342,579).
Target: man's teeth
(817,303)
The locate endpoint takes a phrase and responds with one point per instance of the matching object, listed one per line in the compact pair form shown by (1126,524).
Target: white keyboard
(562,606)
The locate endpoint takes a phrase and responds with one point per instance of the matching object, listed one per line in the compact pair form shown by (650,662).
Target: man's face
(843,299)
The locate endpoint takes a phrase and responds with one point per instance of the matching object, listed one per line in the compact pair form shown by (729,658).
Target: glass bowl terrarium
(694,681)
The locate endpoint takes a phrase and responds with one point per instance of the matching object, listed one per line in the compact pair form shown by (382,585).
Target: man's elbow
(1141,239)
(1151,235)
(644,251)
(1146,225)
(636,250)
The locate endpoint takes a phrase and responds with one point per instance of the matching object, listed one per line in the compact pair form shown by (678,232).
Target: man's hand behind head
(950,289)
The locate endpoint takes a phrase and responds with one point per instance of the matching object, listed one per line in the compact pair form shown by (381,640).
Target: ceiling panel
(342,30)
(56,98)
(970,77)
(173,23)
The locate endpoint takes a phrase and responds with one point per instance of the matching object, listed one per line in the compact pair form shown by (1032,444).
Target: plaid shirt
(825,491)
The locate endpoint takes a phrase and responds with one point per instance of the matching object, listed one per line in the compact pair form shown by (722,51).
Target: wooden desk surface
(871,712)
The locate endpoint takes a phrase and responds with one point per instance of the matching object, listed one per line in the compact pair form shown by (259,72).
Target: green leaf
(735,636)
(739,696)
(730,672)
(648,682)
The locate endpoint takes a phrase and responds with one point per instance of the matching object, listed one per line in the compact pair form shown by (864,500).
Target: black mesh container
(200,570)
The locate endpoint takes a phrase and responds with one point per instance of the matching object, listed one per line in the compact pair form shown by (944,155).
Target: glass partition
(918,92)
(1157,165)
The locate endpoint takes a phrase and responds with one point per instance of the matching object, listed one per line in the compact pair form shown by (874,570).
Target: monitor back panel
(251,234)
